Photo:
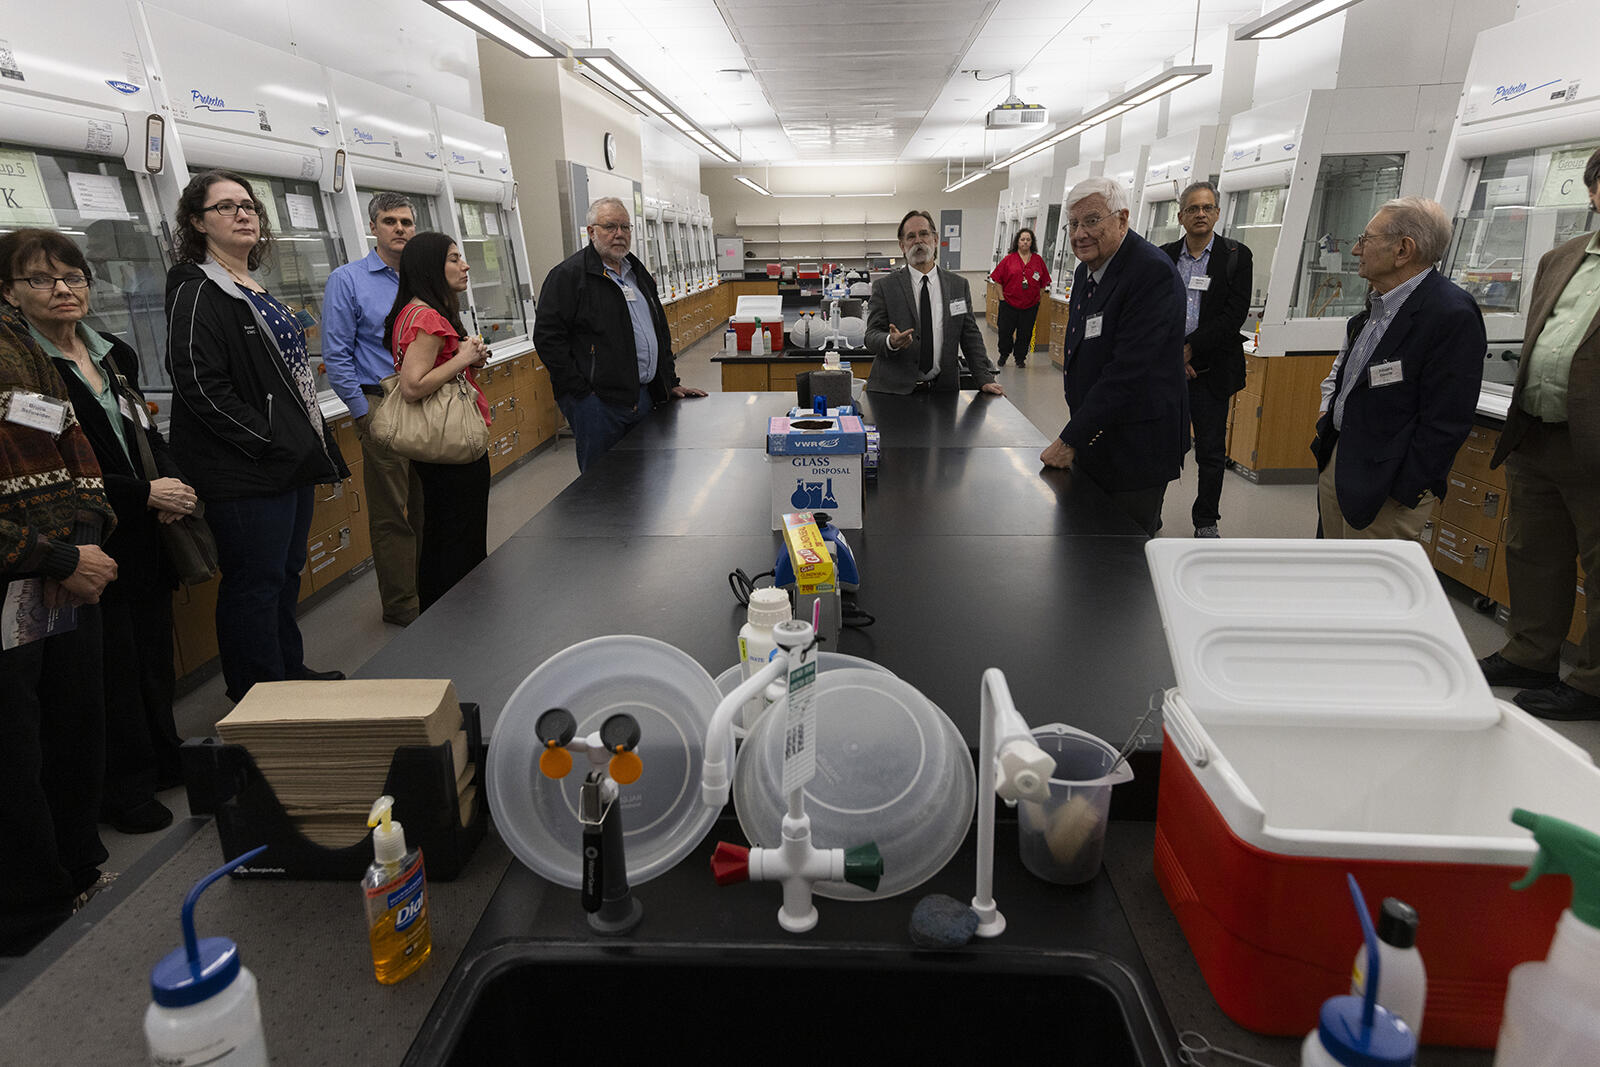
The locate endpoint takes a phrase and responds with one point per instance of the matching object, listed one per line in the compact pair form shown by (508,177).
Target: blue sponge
(939,921)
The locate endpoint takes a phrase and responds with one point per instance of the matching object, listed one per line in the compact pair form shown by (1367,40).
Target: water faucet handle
(730,863)
(620,735)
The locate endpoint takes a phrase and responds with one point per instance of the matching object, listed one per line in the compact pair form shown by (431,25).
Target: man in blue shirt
(357,300)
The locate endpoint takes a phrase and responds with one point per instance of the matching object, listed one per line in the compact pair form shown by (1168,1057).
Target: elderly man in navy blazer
(1125,383)
(921,318)
(1402,392)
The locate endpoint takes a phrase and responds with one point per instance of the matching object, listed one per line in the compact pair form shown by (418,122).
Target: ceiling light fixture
(966,180)
(1163,83)
(501,24)
(1296,15)
(751,183)
(607,70)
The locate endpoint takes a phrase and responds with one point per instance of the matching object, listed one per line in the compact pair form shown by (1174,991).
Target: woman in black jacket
(246,427)
(49,282)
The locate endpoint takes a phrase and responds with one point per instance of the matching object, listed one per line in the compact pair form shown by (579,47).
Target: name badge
(134,413)
(37,412)
(1091,326)
(1200,282)
(1385,373)
(1035,275)
(629,293)
(958,307)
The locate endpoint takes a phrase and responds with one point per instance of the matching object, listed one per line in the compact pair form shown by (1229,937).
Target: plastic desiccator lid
(173,984)
(1388,1043)
(669,695)
(768,607)
(891,769)
(1397,923)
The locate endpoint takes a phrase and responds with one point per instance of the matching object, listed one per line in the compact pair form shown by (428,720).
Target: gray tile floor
(343,629)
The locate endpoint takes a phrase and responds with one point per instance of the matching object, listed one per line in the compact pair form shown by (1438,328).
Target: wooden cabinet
(778,374)
(1274,417)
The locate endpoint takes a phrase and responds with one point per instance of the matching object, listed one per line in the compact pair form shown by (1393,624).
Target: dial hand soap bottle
(396,892)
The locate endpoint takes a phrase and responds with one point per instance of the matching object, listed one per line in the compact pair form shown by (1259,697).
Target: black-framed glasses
(48,281)
(916,235)
(613,227)
(1364,238)
(228,209)
(1200,209)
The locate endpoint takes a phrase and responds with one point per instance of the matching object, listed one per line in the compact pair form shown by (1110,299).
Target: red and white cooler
(1330,717)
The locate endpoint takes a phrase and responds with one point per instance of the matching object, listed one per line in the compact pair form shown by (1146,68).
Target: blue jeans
(597,425)
(261,550)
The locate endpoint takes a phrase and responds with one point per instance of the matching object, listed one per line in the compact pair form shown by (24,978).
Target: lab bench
(973,556)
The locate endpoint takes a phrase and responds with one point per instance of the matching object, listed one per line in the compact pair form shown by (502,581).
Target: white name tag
(1385,373)
(134,413)
(37,412)
(1035,275)
(1091,326)
(629,293)
(958,307)
(1200,282)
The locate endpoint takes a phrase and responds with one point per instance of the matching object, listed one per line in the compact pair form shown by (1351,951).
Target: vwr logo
(125,88)
(808,443)
(321,131)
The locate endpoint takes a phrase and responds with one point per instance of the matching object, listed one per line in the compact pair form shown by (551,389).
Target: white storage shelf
(785,238)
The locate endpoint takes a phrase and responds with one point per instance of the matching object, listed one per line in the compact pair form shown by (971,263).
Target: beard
(919,254)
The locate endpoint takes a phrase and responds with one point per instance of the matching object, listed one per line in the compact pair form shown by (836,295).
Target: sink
(559,1001)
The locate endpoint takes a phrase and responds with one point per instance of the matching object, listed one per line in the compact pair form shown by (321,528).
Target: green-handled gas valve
(863,866)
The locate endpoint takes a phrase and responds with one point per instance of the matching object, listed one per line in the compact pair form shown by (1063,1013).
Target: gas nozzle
(1564,848)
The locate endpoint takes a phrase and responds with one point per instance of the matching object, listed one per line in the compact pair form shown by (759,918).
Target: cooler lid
(1317,633)
(766,308)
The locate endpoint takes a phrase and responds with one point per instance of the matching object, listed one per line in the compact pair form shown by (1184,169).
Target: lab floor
(343,630)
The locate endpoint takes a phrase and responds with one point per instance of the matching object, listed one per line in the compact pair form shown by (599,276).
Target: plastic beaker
(1062,839)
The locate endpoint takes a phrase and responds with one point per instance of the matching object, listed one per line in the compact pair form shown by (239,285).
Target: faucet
(611,907)
(1010,764)
(796,863)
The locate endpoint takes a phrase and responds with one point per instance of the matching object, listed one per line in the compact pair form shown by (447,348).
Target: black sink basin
(566,1003)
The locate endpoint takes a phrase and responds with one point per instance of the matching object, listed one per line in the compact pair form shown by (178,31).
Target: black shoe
(1022,364)
(1003,360)
(308,675)
(144,818)
(1500,671)
(1559,701)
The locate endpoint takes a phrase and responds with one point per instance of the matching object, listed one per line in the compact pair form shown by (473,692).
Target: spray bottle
(203,1004)
(1553,1006)
(396,891)
(758,340)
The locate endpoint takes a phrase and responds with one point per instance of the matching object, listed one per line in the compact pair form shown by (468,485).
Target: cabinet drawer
(1473,505)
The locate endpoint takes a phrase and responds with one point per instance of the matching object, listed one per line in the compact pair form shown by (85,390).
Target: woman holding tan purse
(431,350)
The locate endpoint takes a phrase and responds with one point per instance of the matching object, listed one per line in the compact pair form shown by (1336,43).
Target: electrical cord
(743,585)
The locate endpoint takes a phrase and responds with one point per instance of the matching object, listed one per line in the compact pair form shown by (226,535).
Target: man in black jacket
(1216,273)
(602,333)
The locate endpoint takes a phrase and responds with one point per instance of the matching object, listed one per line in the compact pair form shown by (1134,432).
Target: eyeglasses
(46,281)
(613,227)
(916,235)
(1200,209)
(1091,223)
(228,209)
(1363,238)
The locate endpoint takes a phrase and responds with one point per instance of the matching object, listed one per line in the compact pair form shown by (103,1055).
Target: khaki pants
(1395,521)
(394,516)
(1554,520)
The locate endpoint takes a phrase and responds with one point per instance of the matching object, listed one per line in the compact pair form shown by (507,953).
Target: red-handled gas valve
(730,864)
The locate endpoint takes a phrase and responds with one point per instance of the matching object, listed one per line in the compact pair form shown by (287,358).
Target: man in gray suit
(935,306)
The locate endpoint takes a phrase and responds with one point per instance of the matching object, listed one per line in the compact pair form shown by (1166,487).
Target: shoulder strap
(146,458)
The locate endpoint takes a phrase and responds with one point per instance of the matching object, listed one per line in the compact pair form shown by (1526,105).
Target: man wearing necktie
(1127,393)
(935,306)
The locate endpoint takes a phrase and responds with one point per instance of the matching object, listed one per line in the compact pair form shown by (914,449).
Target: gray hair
(1115,194)
(1422,220)
(1195,187)
(604,201)
(382,202)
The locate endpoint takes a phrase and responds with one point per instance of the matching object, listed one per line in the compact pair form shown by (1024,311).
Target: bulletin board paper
(98,196)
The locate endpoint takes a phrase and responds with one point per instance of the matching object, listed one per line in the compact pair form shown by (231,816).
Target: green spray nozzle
(1564,848)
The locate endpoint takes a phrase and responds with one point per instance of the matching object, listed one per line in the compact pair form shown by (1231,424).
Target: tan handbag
(443,427)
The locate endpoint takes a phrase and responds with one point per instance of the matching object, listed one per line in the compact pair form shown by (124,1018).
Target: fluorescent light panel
(1295,15)
(607,70)
(1163,83)
(751,183)
(496,22)
(967,180)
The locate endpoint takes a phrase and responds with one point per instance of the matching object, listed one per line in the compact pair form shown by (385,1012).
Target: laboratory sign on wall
(22,197)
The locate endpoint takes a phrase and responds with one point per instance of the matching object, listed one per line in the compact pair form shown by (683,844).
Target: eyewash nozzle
(1565,848)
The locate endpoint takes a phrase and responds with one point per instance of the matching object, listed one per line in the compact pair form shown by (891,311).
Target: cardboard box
(809,435)
(816,465)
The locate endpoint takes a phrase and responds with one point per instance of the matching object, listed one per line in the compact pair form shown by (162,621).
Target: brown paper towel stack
(325,747)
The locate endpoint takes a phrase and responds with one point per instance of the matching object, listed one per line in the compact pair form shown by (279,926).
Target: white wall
(410,47)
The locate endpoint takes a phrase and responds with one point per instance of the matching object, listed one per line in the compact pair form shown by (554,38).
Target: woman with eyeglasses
(49,281)
(245,426)
(1023,279)
(424,333)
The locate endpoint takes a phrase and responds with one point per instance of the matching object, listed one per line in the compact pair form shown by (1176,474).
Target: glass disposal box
(1330,717)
